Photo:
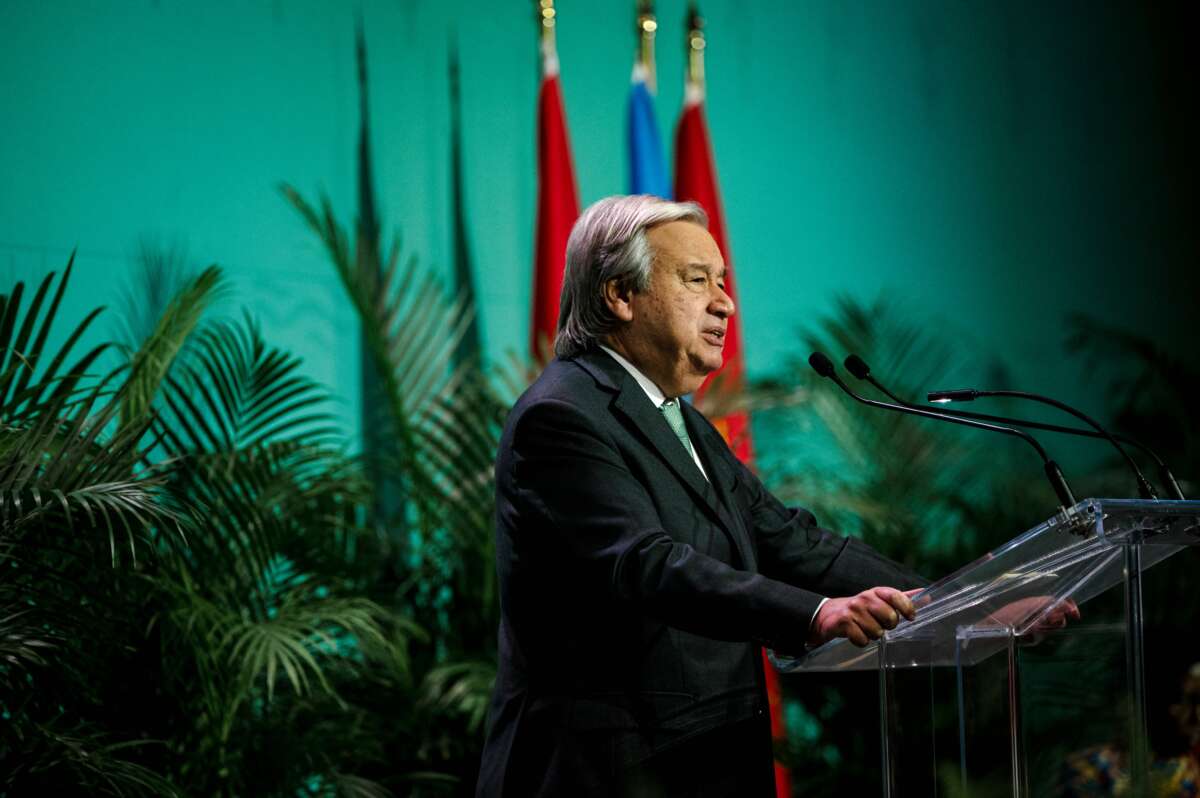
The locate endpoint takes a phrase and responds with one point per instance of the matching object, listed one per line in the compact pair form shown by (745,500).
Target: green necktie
(670,409)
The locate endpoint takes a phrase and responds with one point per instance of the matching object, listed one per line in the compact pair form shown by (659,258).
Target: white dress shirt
(654,392)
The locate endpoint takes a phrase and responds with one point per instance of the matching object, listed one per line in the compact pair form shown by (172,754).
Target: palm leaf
(82,758)
(24,643)
(60,476)
(151,363)
(904,483)
(302,633)
(20,394)
(349,786)
(238,394)
(412,330)
(443,417)
(461,688)
(1150,387)
(159,273)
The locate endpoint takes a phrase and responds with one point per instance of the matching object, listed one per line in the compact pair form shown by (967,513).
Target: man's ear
(619,298)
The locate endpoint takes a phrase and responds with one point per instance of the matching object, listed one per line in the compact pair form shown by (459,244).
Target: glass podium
(987,692)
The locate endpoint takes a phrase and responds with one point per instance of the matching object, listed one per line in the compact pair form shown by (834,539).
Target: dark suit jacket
(635,594)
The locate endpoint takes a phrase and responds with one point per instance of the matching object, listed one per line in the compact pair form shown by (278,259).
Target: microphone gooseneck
(970,394)
(824,366)
(856,366)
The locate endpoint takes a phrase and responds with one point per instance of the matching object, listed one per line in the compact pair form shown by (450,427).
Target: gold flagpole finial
(695,46)
(646,26)
(546,19)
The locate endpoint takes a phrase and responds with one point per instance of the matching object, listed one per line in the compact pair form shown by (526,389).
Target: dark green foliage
(151,364)
(443,421)
(1151,387)
(937,496)
(922,493)
(199,590)
(190,598)
(21,352)
(80,516)
(1152,390)
(929,494)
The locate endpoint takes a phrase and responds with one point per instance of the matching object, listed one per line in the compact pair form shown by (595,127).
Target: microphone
(824,366)
(970,394)
(858,367)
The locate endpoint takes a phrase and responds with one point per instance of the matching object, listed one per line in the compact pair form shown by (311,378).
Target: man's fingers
(856,636)
(884,614)
(864,617)
(898,600)
(1064,611)
(866,621)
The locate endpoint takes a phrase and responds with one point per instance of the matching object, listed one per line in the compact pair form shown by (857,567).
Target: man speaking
(641,565)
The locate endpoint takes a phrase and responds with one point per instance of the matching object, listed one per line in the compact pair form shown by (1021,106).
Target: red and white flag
(696,180)
(557,206)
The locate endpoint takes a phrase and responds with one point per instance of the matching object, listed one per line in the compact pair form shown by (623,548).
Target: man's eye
(698,279)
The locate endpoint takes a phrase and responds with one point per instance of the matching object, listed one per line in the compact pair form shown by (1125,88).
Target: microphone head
(857,366)
(956,395)
(821,364)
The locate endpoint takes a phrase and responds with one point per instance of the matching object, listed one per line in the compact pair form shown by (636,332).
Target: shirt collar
(653,391)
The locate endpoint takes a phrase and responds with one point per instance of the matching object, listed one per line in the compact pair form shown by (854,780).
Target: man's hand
(861,618)
(1059,615)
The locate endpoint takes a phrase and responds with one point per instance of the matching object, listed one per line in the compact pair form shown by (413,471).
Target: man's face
(676,327)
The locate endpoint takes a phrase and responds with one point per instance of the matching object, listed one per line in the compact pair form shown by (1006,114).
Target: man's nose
(721,304)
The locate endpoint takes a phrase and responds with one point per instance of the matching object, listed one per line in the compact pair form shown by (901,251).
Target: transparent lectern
(987,693)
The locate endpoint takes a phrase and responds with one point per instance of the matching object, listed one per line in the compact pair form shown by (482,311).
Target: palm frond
(62,468)
(21,396)
(346,785)
(443,419)
(1150,387)
(513,375)
(412,330)
(460,688)
(84,758)
(238,393)
(159,271)
(905,484)
(24,643)
(300,635)
(285,498)
(61,479)
(151,363)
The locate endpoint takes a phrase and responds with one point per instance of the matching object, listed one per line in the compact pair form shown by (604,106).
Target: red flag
(696,180)
(558,206)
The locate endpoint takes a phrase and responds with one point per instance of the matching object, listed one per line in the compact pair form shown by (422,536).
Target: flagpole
(545,18)
(695,47)
(647,24)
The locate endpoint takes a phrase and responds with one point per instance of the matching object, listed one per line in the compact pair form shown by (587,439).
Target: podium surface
(988,661)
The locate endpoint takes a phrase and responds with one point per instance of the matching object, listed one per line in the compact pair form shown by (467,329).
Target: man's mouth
(715,336)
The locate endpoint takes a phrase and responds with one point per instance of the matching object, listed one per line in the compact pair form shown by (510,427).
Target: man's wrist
(812,622)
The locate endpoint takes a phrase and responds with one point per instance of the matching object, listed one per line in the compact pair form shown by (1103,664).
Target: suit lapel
(709,445)
(648,419)
(631,401)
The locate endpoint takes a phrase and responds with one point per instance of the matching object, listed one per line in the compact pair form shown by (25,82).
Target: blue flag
(647,167)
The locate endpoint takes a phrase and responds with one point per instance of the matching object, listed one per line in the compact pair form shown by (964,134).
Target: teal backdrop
(986,167)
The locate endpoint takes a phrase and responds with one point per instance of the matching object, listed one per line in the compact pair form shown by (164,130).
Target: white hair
(608,242)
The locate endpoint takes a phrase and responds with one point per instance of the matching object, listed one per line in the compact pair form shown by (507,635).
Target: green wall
(987,166)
